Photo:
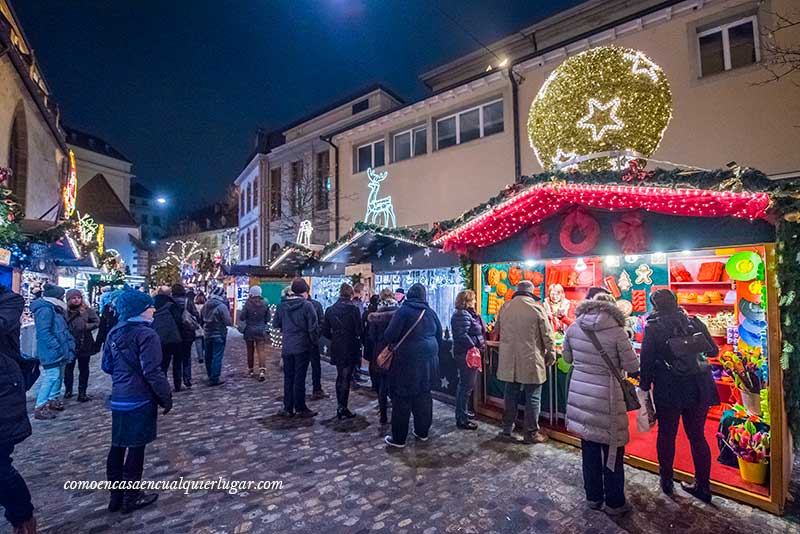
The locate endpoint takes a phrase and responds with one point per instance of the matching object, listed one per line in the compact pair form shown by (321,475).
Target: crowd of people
(141,336)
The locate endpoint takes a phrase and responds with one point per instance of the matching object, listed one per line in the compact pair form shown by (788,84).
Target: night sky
(180,87)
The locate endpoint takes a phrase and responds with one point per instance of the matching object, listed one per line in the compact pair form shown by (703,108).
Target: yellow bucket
(753,472)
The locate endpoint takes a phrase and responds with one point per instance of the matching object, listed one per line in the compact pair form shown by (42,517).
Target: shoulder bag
(628,389)
(688,352)
(386,356)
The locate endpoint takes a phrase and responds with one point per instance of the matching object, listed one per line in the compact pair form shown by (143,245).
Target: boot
(344,413)
(43,413)
(68,394)
(83,397)
(384,419)
(136,499)
(56,405)
(28,527)
(115,502)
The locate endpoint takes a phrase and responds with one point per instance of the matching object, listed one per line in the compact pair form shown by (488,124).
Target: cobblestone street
(337,477)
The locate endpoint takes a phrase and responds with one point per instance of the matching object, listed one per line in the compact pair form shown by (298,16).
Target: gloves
(167,406)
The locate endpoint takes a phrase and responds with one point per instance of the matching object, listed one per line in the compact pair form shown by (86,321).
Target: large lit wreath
(579,223)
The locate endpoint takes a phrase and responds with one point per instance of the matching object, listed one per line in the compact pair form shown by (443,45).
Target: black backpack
(166,327)
(688,348)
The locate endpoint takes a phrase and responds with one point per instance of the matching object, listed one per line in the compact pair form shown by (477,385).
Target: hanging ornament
(624,282)
(644,274)
(579,221)
(630,233)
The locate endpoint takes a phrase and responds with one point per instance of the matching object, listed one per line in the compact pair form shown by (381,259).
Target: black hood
(294,303)
(159,301)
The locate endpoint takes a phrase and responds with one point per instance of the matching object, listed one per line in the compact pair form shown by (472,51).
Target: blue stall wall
(665,233)
(6,276)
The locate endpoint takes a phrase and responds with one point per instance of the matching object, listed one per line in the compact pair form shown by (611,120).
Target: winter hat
(417,292)
(53,292)
(664,301)
(299,286)
(218,291)
(73,293)
(595,290)
(131,303)
(178,290)
(255,291)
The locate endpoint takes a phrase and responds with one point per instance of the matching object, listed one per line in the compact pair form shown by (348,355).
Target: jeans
(295,368)
(466,383)
(533,395)
(119,467)
(215,349)
(421,406)
(198,347)
(173,353)
(343,374)
(83,374)
(601,483)
(316,370)
(694,420)
(50,386)
(256,348)
(14,494)
(186,359)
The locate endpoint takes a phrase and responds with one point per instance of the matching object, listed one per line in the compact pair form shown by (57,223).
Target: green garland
(420,235)
(788,274)
(467,271)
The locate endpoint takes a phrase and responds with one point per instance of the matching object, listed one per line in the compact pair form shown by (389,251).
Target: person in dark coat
(216,320)
(369,346)
(342,325)
(14,423)
(297,321)
(188,329)
(132,356)
(82,321)
(359,292)
(255,318)
(166,322)
(377,322)
(414,367)
(55,348)
(468,331)
(676,397)
(108,318)
(317,392)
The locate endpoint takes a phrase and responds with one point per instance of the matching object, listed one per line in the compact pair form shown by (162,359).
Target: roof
(98,199)
(140,191)
(93,143)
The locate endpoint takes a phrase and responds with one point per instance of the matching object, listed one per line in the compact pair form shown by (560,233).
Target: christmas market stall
(726,242)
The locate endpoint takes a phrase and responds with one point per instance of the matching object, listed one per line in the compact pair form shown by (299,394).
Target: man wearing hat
(297,321)
(216,320)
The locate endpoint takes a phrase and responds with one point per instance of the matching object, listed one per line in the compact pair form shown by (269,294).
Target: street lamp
(161,200)
(152,241)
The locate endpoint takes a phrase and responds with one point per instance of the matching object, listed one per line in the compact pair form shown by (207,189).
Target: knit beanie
(218,291)
(178,290)
(255,291)
(130,303)
(73,293)
(53,291)
(299,286)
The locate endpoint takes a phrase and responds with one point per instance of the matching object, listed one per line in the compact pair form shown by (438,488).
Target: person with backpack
(253,321)
(216,320)
(415,332)
(317,392)
(468,332)
(132,356)
(55,348)
(167,324)
(15,426)
(596,409)
(683,387)
(82,321)
(342,325)
(188,326)
(377,321)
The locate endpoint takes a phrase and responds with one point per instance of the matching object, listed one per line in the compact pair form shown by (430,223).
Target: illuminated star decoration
(639,59)
(613,122)
(409,259)
(643,274)
(427,252)
(392,260)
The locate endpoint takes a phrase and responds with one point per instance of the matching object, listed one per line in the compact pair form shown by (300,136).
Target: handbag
(386,357)
(474,358)
(30,370)
(628,389)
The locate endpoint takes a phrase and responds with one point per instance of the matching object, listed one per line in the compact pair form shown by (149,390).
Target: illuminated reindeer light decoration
(379,207)
(304,233)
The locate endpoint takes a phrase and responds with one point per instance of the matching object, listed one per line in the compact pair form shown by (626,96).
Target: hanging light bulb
(612,261)
(580,265)
(530,263)
(631,258)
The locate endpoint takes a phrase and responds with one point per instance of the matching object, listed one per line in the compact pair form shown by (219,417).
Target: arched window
(18,155)
(274,251)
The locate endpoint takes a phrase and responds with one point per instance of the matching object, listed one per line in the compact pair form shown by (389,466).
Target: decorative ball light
(599,110)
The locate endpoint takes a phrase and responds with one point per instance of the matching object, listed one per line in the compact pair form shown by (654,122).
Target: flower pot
(755,473)
(751,401)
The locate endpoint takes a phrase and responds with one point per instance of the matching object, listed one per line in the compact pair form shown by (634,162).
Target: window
(358,107)
(275,193)
(469,124)
(370,155)
(728,47)
(241,246)
(241,201)
(255,242)
(410,143)
(275,251)
(249,197)
(323,179)
(297,187)
(18,155)
(255,193)
(249,241)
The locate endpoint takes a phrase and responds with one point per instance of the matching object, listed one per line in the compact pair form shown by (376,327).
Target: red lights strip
(541,201)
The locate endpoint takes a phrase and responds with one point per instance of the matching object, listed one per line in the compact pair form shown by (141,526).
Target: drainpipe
(515,114)
(336,183)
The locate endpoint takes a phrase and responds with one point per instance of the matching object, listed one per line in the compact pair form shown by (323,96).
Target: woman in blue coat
(467,328)
(414,367)
(132,356)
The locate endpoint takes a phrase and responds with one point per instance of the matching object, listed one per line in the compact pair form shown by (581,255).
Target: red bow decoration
(535,242)
(630,232)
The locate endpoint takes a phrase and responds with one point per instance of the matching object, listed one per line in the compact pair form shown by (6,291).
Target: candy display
(678,273)
(493,304)
(719,323)
(501,289)
(745,370)
(639,300)
(710,271)
(514,275)
(612,286)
